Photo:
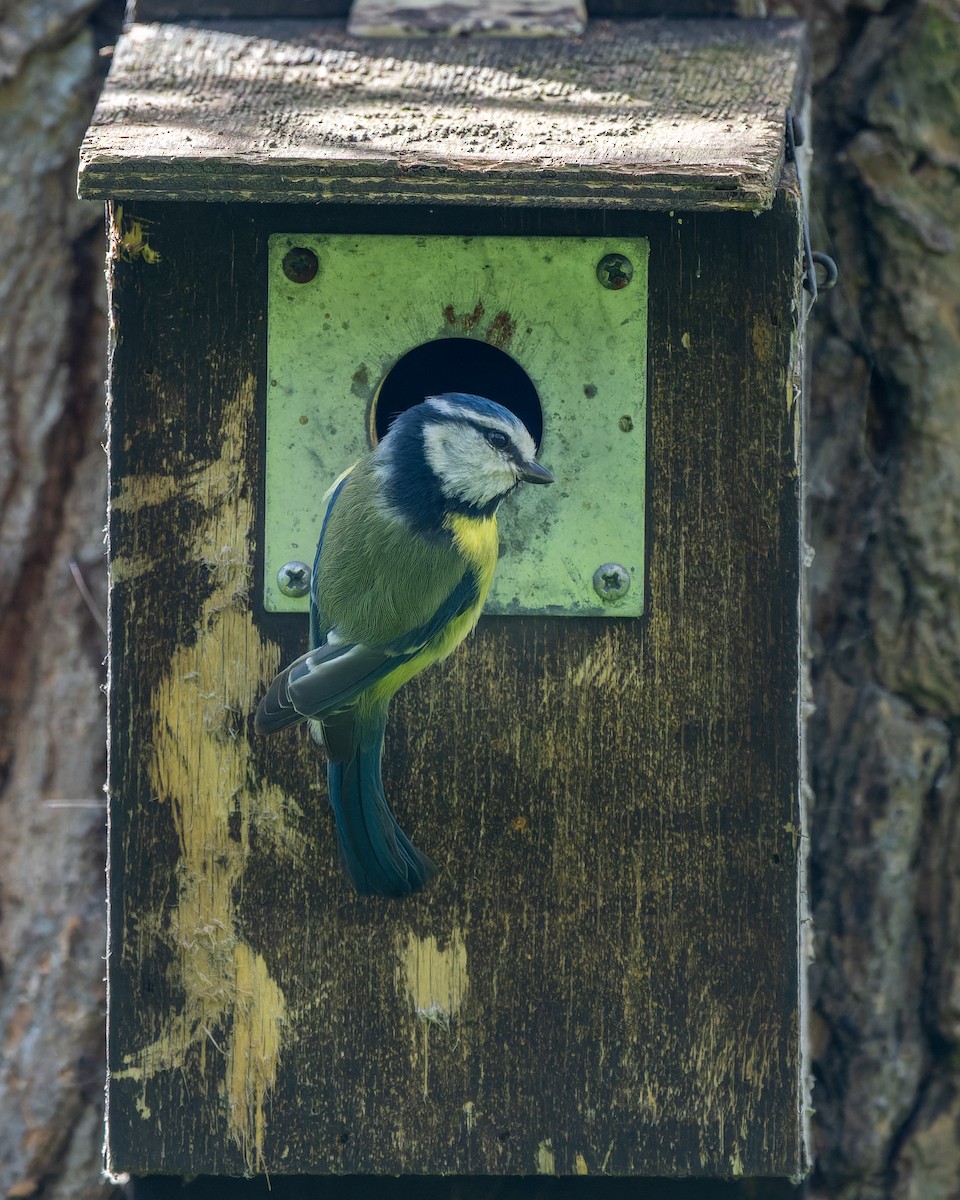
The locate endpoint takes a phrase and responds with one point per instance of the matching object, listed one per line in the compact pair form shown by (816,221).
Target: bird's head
(461,452)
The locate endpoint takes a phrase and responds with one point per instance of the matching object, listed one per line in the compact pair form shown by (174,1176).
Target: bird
(406,555)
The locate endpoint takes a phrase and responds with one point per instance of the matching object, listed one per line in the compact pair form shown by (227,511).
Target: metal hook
(829,266)
(811,258)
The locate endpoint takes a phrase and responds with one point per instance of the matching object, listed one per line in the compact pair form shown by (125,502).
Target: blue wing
(329,678)
(316,633)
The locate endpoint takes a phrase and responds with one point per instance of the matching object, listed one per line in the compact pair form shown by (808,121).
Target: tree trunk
(52,496)
(884,481)
(884,487)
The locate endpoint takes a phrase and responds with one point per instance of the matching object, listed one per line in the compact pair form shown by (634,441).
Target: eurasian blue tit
(407,551)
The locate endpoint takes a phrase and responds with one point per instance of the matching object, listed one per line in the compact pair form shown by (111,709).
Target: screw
(300,265)
(293,579)
(611,581)
(614,271)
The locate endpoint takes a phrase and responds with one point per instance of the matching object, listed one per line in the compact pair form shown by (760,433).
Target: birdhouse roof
(654,114)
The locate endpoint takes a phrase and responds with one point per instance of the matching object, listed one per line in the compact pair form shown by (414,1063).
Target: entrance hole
(456,365)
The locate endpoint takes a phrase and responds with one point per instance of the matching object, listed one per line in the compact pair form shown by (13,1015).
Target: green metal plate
(333,338)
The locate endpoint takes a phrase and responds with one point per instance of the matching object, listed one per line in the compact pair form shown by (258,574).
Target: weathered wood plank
(682,115)
(268,10)
(604,978)
(503,18)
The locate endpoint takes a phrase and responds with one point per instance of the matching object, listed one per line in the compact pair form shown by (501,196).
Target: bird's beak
(532,472)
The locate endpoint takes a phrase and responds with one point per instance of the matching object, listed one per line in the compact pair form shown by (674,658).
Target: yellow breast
(477,541)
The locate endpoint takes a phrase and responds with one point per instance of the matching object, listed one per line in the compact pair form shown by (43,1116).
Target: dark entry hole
(457,365)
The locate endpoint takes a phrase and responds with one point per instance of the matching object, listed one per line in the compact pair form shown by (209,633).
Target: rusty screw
(614,271)
(293,579)
(611,581)
(300,265)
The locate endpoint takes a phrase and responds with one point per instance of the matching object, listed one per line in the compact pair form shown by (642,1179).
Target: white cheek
(467,468)
(495,479)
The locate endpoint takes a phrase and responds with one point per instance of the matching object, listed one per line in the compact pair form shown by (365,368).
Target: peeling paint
(600,667)
(546,1160)
(143,490)
(233,1013)
(259,1013)
(434,980)
(128,240)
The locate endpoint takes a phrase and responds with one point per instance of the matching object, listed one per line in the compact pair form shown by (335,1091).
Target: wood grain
(682,115)
(260,10)
(604,979)
(503,18)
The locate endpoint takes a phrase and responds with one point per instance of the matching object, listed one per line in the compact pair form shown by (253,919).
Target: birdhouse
(314,225)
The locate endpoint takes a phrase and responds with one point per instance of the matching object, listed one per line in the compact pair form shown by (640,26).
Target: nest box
(600,227)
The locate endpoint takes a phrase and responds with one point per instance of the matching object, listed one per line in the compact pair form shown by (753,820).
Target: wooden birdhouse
(599,225)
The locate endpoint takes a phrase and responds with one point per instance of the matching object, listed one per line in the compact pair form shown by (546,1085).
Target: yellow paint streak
(434,980)
(254,1051)
(546,1161)
(726,1067)
(762,335)
(434,983)
(125,567)
(580,1165)
(145,491)
(601,668)
(129,241)
(233,1013)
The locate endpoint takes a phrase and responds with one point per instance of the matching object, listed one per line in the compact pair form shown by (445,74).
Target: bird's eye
(496,438)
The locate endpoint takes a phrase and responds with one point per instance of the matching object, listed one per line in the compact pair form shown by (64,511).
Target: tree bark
(884,485)
(52,496)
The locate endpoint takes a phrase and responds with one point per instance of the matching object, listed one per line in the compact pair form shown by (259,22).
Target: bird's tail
(377,855)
